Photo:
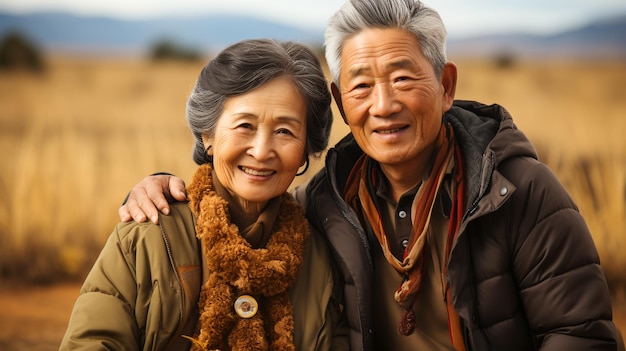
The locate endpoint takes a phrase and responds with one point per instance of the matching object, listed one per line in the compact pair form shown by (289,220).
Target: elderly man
(448,232)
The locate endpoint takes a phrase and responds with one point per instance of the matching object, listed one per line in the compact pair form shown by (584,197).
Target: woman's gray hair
(409,15)
(247,65)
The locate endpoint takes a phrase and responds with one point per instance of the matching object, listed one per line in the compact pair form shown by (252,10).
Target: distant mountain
(62,32)
(605,38)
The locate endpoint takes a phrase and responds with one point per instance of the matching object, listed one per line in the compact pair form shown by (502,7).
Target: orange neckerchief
(360,192)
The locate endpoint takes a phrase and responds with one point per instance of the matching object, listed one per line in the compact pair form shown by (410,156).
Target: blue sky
(462,17)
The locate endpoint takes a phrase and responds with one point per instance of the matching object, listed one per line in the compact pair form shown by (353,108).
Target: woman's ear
(448,81)
(337,96)
(207,144)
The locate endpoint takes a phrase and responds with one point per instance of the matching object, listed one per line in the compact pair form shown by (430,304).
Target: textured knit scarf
(236,269)
(360,193)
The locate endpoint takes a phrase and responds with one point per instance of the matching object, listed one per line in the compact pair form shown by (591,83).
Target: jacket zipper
(173,265)
(349,216)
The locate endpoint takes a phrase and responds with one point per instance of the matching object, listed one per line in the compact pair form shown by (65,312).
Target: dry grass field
(75,139)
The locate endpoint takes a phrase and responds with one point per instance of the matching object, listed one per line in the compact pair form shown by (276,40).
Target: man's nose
(383,102)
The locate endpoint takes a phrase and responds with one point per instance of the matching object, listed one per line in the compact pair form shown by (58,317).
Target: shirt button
(405,243)
(503,191)
(402,214)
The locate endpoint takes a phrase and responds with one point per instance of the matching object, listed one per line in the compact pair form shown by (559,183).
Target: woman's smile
(256,172)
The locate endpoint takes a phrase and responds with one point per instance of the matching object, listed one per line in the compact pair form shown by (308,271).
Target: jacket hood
(486,131)
(479,127)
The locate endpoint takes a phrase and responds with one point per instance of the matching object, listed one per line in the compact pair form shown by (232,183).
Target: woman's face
(260,141)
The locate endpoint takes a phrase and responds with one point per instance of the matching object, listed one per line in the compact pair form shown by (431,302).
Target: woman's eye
(284,131)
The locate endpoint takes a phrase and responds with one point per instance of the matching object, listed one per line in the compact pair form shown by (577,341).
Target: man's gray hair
(409,15)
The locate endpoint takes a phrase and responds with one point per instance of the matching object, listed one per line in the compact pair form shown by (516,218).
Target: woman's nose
(261,146)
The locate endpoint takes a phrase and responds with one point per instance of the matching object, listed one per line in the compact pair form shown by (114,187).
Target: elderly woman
(237,267)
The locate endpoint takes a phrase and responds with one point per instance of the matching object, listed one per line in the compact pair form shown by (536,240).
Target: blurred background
(92,99)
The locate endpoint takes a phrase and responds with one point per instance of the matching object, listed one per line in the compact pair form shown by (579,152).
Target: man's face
(391,99)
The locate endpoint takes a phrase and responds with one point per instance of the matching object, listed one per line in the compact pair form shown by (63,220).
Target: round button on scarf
(246,306)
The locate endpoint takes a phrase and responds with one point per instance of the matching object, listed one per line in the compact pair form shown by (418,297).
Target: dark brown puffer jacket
(524,272)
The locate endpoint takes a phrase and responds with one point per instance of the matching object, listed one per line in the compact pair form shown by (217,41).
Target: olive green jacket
(142,292)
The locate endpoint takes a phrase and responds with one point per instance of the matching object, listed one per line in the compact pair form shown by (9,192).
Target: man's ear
(337,96)
(448,81)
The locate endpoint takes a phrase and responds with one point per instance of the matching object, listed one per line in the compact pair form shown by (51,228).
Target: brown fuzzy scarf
(236,269)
